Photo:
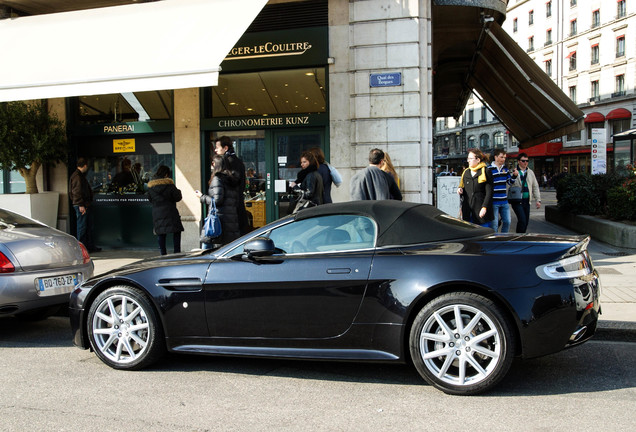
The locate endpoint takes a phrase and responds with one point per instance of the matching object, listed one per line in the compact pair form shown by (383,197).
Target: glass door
(289,145)
(272,161)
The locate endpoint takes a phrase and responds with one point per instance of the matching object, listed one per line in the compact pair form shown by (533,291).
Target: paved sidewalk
(616,266)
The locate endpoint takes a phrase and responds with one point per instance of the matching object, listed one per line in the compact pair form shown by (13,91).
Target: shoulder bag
(212,225)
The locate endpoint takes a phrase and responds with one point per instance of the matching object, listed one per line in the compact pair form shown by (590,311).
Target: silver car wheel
(460,345)
(120,329)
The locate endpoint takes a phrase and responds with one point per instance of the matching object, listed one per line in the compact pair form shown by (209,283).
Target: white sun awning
(168,44)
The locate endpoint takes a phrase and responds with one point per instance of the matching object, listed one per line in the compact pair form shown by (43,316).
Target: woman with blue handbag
(221,200)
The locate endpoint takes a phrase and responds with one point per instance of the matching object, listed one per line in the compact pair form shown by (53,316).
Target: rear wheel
(124,330)
(461,343)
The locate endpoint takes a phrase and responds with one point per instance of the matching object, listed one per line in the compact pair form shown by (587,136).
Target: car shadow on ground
(588,368)
(596,366)
(54,331)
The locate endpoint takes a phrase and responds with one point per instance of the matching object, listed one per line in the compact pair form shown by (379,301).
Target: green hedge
(612,195)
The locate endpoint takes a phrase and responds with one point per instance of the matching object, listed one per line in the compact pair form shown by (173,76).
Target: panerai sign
(268,49)
(119,128)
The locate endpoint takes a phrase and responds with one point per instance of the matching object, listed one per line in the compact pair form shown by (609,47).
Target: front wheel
(461,343)
(124,330)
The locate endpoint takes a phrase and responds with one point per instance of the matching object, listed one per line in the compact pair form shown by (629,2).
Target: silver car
(39,267)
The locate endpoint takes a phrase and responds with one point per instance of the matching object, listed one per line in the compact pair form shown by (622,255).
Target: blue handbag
(212,225)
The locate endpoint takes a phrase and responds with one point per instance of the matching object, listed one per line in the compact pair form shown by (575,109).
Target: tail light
(85,254)
(570,267)
(6,266)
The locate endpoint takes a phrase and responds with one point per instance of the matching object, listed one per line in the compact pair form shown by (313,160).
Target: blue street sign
(385,79)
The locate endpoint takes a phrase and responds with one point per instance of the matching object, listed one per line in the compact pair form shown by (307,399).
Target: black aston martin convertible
(382,281)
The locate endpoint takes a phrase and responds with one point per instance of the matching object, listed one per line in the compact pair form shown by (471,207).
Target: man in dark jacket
(81,196)
(223,146)
(372,183)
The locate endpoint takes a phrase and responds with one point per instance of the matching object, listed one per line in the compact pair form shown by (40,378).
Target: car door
(311,290)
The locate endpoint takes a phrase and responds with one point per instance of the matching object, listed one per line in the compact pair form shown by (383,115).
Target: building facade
(588,48)
(345,76)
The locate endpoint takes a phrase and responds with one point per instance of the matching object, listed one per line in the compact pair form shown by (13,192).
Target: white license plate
(57,284)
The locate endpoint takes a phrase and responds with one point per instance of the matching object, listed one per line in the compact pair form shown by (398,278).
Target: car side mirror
(259,247)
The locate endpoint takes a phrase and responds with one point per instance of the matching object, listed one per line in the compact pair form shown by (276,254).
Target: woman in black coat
(309,181)
(164,196)
(476,189)
(224,189)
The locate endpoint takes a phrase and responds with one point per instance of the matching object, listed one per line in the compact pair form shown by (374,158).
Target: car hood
(41,247)
(161,261)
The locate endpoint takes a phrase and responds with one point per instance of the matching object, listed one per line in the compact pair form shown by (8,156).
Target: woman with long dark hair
(308,181)
(223,189)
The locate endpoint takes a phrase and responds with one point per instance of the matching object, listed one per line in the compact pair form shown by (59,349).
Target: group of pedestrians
(486,191)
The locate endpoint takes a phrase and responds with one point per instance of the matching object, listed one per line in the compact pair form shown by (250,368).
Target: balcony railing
(594,99)
(619,93)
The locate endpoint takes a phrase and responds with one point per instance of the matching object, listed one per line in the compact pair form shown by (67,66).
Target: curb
(622,331)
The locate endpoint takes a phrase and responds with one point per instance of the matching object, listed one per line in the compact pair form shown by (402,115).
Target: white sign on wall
(599,151)
(447,198)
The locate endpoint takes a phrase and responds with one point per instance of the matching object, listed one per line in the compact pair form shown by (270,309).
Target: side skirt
(297,353)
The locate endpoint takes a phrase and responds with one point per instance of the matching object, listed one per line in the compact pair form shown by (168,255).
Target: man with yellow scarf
(475,190)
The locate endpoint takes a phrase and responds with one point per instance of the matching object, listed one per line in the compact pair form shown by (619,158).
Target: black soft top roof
(402,223)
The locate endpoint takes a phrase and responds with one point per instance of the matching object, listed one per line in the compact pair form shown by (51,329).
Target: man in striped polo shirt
(502,178)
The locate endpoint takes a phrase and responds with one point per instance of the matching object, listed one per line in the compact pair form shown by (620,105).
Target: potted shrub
(31,137)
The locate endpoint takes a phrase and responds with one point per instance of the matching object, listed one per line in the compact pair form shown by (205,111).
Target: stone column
(381,36)
(187,138)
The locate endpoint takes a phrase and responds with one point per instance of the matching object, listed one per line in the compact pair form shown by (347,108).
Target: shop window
(596,18)
(620,11)
(572,58)
(548,67)
(498,139)
(471,141)
(572,92)
(573,27)
(595,54)
(125,107)
(548,9)
(620,46)
(594,91)
(11,182)
(619,125)
(294,91)
(590,126)
(574,136)
(515,25)
(619,86)
(484,142)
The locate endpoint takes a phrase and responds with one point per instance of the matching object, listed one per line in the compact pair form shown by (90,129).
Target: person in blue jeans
(81,196)
(529,185)
(502,178)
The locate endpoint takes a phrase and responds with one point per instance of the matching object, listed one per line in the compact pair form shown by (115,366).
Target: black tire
(466,359)
(124,330)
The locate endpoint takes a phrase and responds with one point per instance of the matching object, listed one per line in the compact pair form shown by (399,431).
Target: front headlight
(576,266)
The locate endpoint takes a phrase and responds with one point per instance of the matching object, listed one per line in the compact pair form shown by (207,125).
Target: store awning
(618,113)
(160,45)
(594,117)
(525,99)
